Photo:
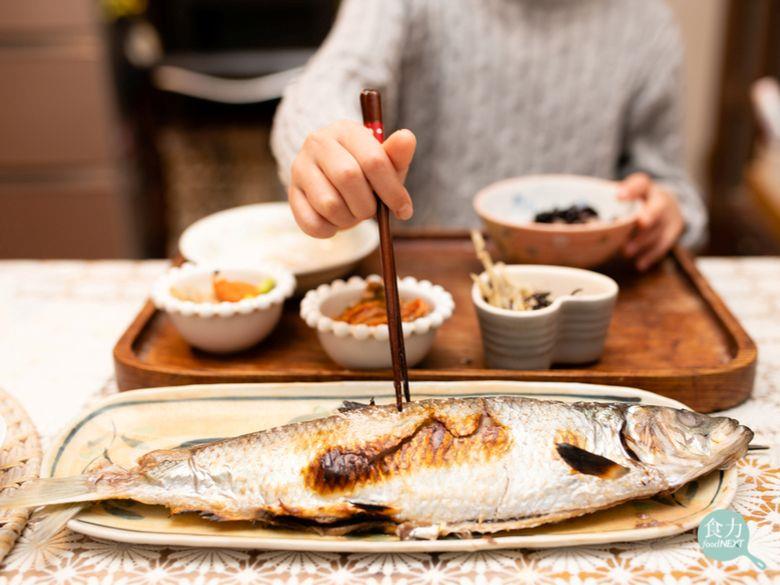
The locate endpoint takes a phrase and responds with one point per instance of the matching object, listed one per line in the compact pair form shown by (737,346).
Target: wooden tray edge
(739,372)
(745,349)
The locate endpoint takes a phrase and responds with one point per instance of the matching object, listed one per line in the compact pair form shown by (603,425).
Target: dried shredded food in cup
(498,290)
(371,309)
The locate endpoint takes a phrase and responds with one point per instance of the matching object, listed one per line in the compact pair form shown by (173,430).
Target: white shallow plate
(263,233)
(130,424)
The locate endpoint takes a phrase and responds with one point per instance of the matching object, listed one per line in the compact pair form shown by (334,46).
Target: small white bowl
(368,347)
(572,330)
(223,327)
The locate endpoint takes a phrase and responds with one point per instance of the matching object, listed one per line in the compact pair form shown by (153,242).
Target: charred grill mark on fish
(438,441)
(590,463)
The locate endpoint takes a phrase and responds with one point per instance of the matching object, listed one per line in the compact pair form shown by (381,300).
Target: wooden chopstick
(371,105)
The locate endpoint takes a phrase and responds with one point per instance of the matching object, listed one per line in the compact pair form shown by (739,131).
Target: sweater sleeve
(363,49)
(654,133)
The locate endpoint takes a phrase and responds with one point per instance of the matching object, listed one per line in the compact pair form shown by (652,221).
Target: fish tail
(59,490)
(55,520)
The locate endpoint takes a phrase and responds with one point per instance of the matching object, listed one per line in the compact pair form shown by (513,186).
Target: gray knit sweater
(498,88)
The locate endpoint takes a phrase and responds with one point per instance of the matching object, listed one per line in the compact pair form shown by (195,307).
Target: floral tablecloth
(59,321)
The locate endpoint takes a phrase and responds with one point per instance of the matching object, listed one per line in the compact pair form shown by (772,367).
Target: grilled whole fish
(439,467)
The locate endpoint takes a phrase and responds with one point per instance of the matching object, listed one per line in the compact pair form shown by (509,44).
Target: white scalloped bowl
(363,347)
(223,327)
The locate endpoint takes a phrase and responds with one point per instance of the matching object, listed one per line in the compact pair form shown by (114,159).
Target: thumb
(634,186)
(400,146)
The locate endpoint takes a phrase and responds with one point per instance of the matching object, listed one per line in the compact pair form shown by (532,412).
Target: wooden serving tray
(671,334)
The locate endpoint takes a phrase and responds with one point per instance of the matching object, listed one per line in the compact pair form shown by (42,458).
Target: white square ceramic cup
(572,330)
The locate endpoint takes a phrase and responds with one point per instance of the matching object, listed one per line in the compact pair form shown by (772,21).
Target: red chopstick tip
(371,104)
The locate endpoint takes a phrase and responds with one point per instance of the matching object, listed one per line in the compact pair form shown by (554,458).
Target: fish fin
(55,520)
(470,528)
(212,517)
(110,483)
(589,463)
(372,507)
(348,405)
(51,490)
(408,531)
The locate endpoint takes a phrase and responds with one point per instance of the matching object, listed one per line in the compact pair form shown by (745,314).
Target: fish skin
(445,466)
(441,466)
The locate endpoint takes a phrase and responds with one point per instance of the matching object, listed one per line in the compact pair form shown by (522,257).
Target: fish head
(682,443)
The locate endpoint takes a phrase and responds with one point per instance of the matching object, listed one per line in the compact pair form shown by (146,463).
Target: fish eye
(690,419)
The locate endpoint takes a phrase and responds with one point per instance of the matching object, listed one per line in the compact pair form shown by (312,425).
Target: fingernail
(405,212)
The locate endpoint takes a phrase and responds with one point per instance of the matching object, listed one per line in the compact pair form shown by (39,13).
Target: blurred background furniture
(738,222)
(125,120)
(63,190)
(212,94)
(108,148)
(763,174)
(763,182)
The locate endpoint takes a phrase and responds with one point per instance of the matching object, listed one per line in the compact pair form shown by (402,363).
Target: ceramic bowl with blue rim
(509,210)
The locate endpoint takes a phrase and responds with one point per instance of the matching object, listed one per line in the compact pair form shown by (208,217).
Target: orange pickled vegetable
(232,291)
(372,308)
(224,291)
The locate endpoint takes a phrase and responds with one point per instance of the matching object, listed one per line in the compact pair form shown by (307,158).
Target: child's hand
(660,221)
(336,170)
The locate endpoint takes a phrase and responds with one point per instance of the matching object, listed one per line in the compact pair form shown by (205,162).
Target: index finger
(379,170)
(652,210)
(634,186)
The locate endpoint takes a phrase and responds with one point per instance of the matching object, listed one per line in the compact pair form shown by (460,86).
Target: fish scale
(458,465)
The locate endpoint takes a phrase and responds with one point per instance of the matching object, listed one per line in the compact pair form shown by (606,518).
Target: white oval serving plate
(266,233)
(129,424)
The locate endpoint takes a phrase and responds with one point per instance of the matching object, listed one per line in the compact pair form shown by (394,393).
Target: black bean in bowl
(571,215)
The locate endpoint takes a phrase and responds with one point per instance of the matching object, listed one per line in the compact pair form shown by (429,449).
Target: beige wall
(703,28)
